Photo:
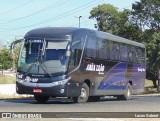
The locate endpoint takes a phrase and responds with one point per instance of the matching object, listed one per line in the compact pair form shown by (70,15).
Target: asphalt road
(67,110)
(109,104)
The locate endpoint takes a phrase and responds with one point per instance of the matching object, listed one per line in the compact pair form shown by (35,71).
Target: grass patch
(148,84)
(2,96)
(149,87)
(7,79)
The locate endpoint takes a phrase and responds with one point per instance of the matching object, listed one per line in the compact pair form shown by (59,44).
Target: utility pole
(79,20)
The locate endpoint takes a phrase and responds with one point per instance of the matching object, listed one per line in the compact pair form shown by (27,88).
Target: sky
(17,17)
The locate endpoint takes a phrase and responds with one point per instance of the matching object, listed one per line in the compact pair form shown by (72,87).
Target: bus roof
(49,32)
(52,32)
(105,35)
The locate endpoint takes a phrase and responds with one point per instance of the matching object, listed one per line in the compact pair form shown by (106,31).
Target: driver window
(75,53)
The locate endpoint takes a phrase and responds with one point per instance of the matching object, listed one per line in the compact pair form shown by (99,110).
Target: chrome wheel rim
(83,93)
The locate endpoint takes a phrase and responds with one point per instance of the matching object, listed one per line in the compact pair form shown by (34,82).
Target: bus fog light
(62,91)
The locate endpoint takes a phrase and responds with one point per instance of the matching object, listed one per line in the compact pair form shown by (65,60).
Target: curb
(8,91)
(154,94)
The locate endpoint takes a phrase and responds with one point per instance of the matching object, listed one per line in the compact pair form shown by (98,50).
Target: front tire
(41,99)
(84,94)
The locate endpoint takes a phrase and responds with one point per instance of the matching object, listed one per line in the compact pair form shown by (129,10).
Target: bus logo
(99,68)
(141,69)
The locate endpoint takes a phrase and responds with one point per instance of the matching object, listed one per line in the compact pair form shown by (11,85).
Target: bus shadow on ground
(63,100)
(33,101)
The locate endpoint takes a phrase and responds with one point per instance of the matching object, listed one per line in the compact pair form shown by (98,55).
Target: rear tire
(84,94)
(41,99)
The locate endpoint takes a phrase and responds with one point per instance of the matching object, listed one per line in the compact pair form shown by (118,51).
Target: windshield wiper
(38,61)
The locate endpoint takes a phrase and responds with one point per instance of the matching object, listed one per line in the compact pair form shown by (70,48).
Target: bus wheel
(84,94)
(128,93)
(41,99)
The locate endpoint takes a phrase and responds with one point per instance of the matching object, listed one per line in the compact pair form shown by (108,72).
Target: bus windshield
(40,56)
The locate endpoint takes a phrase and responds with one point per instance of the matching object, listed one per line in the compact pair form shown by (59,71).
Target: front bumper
(58,88)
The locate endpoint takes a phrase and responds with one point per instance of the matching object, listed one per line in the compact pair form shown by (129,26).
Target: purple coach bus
(79,63)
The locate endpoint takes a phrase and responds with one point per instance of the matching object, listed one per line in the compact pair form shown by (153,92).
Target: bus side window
(103,49)
(114,51)
(75,53)
(141,55)
(123,52)
(91,50)
(135,56)
(130,54)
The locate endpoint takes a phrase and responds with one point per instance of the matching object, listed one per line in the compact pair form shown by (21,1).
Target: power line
(38,12)
(87,21)
(60,16)
(11,35)
(82,22)
(7,3)
(16,7)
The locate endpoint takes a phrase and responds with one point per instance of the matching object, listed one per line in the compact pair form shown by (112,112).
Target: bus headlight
(59,82)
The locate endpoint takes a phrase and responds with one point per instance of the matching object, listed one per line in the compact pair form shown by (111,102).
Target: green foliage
(146,13)
(5,59)
(111,20)
(7,79)
(125,28)
(153,53)
(104,15)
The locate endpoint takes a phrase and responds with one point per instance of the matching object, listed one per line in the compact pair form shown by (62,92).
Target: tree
(125,28)
(5,59)
(153,57)
(103,14)
(109,19)
(146,14)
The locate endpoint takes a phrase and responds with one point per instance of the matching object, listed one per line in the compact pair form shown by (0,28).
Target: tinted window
(135,57)
(141,55)
(114,51)
(103,49)
(132,54)
(123,52)
(76,50)
(91,47)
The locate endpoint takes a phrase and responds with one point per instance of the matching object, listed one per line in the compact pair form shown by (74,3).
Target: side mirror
(68,53)
(13,45)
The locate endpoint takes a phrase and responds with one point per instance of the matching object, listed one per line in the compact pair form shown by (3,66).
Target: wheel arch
(88,82)
(130,82)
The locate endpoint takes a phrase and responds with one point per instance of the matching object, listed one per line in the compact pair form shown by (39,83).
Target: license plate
(37,90)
